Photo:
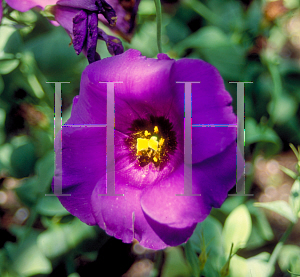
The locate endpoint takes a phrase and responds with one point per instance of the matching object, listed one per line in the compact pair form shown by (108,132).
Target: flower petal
(123,218)
(210,105)
(145,84)
(25,5)
(212,178)
(79,30)
(126,12)
(107,11)
(64,16)
(83,165)
(92,38)
(161,203)
(209,141)
(215,176)
(79,4)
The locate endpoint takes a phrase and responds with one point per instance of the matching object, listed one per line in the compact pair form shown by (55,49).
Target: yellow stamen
(155,159)
(147,133)
(153,143)
(142,144)
(161,141)
(155,129)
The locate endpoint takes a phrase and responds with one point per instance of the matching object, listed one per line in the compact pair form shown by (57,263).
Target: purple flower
(149,148)
(80,19)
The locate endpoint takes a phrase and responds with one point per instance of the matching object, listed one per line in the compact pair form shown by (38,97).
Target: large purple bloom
(80,19)
(149,147)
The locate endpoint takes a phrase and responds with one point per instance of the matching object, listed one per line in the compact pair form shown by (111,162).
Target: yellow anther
(142,144)
(155,129)
(147,133)
(153,143)
(161,141)
(155,159)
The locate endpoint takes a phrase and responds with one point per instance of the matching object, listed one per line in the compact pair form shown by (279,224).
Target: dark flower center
(151,141)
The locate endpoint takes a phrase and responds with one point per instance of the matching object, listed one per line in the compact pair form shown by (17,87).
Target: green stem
(278,247)
(158,24)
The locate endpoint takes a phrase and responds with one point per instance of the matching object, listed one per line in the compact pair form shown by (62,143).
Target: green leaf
(27,192)
(211,230)
(45,170)
(22,160)
(239,267)
(260,221)
(258,265)
(294,199)
(296,152)
(61,238)
(147,8)
(175,264)
(53,242)
(7,66)
(192,258)
(206,37)
(50,206)
(27,258)
(1,85)
(257,133)
(288,172)
(280,207)
(286,256)
(237,228)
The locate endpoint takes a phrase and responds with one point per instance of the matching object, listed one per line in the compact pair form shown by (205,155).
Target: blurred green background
(246,40)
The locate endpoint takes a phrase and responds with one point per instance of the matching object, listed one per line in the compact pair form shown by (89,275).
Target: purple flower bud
(83,29)
(79,31)
(92,37)
(148,148)
(114,45)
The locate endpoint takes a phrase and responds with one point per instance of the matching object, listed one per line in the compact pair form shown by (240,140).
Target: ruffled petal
(210,105)
(123,218)
(162,203)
